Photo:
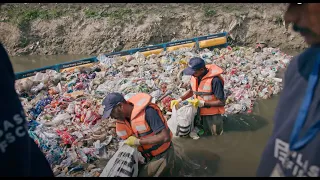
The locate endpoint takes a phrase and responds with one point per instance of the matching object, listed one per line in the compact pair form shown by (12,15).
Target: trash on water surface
(64,109)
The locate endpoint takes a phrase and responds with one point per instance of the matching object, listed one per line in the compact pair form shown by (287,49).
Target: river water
(235,153)
(24,63)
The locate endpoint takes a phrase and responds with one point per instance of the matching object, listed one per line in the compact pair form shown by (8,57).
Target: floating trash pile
(64,109)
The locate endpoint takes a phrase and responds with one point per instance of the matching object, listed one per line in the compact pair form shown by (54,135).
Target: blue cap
(110,101)
(195,64)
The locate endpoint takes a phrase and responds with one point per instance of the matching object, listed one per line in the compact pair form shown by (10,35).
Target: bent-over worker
(207,89)
(142,124)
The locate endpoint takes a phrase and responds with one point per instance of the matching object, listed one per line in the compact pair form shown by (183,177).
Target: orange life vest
(139,127)
(204,90)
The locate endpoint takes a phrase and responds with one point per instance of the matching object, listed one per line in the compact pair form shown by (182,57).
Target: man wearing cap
(207,89)
(142,124)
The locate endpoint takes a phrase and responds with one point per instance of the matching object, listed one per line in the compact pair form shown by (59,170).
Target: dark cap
(109,102)
(194,64)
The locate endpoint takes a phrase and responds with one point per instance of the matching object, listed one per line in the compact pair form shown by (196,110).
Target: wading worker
(207,90)
(141,124)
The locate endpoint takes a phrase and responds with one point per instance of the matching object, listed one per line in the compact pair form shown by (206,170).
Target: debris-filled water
(64,109)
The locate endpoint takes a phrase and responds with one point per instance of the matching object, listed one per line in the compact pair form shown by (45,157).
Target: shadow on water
(197,161)
(235,153)
(190,162)
(243,122)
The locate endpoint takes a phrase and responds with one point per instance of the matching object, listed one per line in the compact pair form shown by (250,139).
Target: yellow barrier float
(212,42)
(215,40)
(156,51)
(188,45)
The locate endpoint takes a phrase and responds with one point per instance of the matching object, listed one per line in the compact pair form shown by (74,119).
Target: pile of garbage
(64,109)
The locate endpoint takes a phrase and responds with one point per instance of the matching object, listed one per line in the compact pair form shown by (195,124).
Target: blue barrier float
(210,41)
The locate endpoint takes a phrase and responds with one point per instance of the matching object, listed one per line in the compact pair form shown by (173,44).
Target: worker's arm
(218,91)
(216,103)
(160,138)
(161,132)
(187,95)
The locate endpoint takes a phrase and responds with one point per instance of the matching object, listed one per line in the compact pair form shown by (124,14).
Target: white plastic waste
(41,77)
(182,120)
(124,163)
(105,60)
(24,85)
(58,119)
(129,95)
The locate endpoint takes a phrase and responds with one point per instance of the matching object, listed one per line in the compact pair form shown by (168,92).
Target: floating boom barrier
(211,41)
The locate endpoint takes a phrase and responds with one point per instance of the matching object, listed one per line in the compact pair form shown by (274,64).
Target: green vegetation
(120,14)
(209,12)
(24,41)
(23,17)
(30,15)
(117,14)
(279,20)
(91,13)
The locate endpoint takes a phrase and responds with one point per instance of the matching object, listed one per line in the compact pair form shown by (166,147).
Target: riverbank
(51,29)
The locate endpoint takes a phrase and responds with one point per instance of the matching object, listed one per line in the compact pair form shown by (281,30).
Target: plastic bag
(37,88)
(71,108)
(129,95)
(58,119)
(41,77)
(181,121)
(172,122)
(124,163)
(105,60)
(23,84)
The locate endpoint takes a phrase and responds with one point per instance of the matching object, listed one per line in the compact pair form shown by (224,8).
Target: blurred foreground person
(19,154)
(294,147)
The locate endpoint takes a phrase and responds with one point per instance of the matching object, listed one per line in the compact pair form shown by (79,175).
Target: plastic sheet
(124,163)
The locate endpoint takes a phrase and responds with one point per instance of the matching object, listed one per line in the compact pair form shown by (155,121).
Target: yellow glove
(175,103)
(132,141)
(196,102)
(229,100)
(183,63)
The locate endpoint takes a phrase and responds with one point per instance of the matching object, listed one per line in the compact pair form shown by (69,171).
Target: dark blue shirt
(305,162)
(154,120)
(19,155)
(217,86)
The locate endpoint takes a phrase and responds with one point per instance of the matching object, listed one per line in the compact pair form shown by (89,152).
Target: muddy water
(235,153)
(23,63)
(239,151)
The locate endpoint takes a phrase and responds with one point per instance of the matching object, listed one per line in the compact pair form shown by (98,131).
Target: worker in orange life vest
(208,92)
(142,124)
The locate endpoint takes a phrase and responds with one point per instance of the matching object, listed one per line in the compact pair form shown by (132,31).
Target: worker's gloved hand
(196,102)
(174,103)
(132,141)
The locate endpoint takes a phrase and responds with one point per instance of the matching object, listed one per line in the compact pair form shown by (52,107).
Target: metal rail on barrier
(210,41)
